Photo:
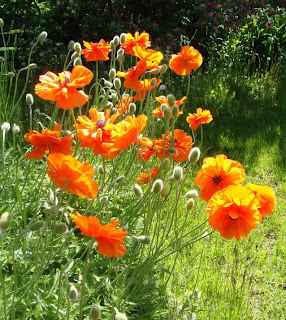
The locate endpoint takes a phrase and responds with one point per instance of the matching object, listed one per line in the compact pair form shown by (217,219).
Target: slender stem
(4,293)
(3,151)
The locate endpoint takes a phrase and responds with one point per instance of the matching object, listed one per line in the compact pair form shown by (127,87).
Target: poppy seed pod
(123,38)
(172,150)
(1,23)
(77,62)
(191,194)
(37,226)
(175,110)
(157,186)
(112,74)
(95,312)
(165,163)
(5,126)
(42,36)
(137,191)
(29,99)
(144,239)
(167,114)
(77,47)
(74,56)
(119,179)
(132,107)
(164,191)
(116,40)
(71,45)
(60,228)
(190,204)
(164,68)
(178,173)
(73,293)
(5,220)
(194,155)
(117,83)
(171,99)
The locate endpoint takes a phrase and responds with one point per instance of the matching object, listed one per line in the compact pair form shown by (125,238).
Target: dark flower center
(217,179)
(100,123)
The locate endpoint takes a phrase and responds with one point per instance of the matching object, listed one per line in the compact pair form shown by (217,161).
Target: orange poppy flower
(147,150)
(108,237)
(62,87)
(93,132)
(124,133)
(266,197)
(185,61)
(218,173)
(201,117)
(144,177)
(123,104)
(96,51)
(141,40)
(48,142)
(152,57)
(234,212)
(67,172)
(145,87)
(182,143)
(159,112)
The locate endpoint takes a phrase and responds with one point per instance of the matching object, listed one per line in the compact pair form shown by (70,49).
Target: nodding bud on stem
(194,155)
(116,40)
(175,110)
(172,150)
(117,83)
(112,45)
(167,114)
(1,23)
(144,239)
(120,52)
(5,220)
(77,62)
(164,191)
(108,84)
(171,99)
(37,226)
(137,191)
(165,163)
(73,293)
(191,194)
(153,82)
(100,170)
(190,204)
(60,228)
(132,107)
(32,66)
(119,315)
(164,68)
(42,36)
(74,56)
(109,105)
(178,173)
(29,99)
(95,312)
(123,38)
(112,74)
(155,71)
(157,186)
(71,45)
(119,179)
(77,47)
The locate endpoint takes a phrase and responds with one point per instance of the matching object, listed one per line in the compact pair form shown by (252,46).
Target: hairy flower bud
(100,170)
(77,62)
(74,56)
(155,71)
(29,99)
(171,99)
(178,173)
(42,36)
(194,155)
(1,23)
(77,47)
(60,228)
(166,163)
(95,312)
(108,84)
(116,40)
(112,45)
(132,107)
(164,68)
(119,315)
(117,83)
(15,128)
(71,45)
(172,150)
(137,191)
(153,82)
(123,38)
(5,220)
(191,194)
(119,179)
(157,186)
(190,204)
(164,191)
(32,66)
(73,293)
(144,239)
(175,110)
(37,226)
(5,126)
(167,114)
(112,74)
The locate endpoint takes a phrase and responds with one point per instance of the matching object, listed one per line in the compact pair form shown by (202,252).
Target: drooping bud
(71,45)
(172,150)
(155,71)
(153,82)
(112,74)
(37,226)
(60,228)
(15,128)
(29,99)
(132,107)
(164,68)
(77,47)
(109,105)
(74,56)
(1,23)
(137,191)
(157,186)
(116,40)
(102,91)
(42,36)
(119,179)
(119,315)
(73,293)
(175,110)
(191,194)
(123,38)
(32,66)
(165,163)
(5,220)
(77,62)
(120,52)
(108,84)
(95,312)
(100,170)
(5,126)
(171,99)
(178,173)
(117,83)
(194,155)
(144,239)
(190,204)
(164,191)
(167,114)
